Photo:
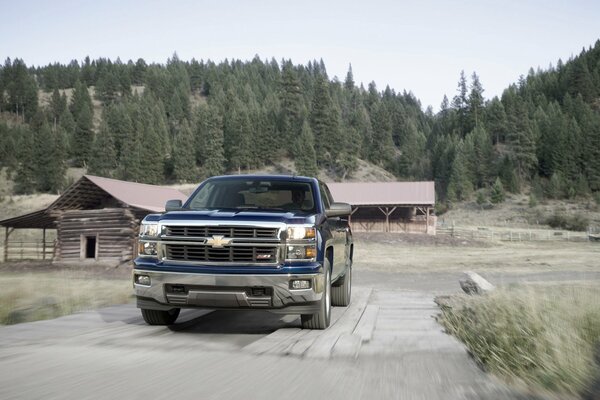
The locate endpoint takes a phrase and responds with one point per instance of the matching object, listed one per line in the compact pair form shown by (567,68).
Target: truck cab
(264,242)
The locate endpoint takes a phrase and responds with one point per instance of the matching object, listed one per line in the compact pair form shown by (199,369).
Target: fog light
(142,280)
(300,284)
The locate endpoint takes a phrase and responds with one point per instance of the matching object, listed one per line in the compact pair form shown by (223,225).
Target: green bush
(574,222)
(543,336)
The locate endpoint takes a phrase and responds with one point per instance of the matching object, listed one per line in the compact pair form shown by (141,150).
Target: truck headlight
(147,248)
(149,230)
(300,232)
(147,244)
(302,252)
(301,243)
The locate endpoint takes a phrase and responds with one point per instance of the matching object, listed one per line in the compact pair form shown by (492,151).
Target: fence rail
(28,250)
(515,235)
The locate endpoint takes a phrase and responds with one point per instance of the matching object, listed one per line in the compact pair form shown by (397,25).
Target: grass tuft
(544,336)
(36,296)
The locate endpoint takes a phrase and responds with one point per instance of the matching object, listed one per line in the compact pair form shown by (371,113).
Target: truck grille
(227,231)
(201,253)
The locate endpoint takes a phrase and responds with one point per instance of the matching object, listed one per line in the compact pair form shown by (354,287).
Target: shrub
(574,222)
(544,336)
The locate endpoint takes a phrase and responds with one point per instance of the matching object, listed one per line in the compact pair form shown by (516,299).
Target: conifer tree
(460,103)
(497,194)
(382,150)
(209,140)
(459,186)
(83,138)
(26,169)
(325,124)
(130,160)
(103,159)
(475,102)
(306,157)
(184,160)
(292,107)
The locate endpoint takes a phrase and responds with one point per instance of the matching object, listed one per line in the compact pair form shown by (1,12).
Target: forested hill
(185,120)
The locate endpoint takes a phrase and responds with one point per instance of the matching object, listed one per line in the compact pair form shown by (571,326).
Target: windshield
(244,194)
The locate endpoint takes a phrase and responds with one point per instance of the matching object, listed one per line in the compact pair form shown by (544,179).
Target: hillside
(185,120)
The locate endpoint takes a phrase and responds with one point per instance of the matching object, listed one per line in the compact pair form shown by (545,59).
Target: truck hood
(231,216)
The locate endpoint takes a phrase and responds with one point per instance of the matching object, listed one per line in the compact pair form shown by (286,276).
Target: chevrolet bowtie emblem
(218,241)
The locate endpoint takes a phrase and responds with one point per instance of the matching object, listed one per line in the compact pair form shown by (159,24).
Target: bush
(532,200)
(575,222)
(544,336)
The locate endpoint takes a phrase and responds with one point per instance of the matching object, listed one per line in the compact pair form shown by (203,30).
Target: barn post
(387,219)
(7,232)
(427,221)
(44,244)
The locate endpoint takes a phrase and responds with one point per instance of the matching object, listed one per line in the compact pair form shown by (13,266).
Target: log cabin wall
(104,234)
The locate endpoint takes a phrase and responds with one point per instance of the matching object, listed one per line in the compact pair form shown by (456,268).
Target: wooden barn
(95,219)
(389,206)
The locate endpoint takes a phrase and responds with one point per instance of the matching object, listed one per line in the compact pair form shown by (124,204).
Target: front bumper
(272,292)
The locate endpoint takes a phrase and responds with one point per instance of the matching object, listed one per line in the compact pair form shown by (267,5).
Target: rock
(474,283)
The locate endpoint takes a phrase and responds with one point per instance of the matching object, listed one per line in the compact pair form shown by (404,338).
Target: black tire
(321,319)
(340,295)
(158,317)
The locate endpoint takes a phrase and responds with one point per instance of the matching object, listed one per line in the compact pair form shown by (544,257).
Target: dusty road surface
(385,345)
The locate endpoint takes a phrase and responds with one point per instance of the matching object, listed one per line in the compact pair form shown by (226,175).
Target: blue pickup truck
(276,243)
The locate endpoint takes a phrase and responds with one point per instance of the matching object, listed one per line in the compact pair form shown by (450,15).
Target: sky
(417,46)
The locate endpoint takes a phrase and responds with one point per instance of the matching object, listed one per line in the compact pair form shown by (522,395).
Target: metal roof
(93,192)
(384,193)
(138,195)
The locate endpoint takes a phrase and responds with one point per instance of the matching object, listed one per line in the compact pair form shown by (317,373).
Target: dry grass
(545,337)
(420,253)
(515,212)
(33,296)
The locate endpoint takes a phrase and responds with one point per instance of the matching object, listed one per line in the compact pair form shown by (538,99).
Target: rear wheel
(321,319)
(340,295)
(158,317)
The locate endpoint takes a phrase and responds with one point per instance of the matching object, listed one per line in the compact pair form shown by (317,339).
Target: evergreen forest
(186,120)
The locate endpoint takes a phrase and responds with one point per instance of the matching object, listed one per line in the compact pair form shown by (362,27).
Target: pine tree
(103,159)
(459,186)
(382,150)
(83,138)
(184,160)
(325,124)
(592,165)
(521,140)
(26,169)
(292,106)
(460,103)
(209,140)
(306,157)
(130,162)
(21,89)
(497,194)
(475,102)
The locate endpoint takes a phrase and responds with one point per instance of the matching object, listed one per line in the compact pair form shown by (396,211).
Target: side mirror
(338,210)
(173,205)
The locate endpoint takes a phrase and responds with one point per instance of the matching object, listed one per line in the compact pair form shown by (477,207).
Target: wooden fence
(516,235)
(28,250)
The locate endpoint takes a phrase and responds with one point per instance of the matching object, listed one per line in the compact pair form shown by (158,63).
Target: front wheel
(340,295)
(158,317)
(321,319)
